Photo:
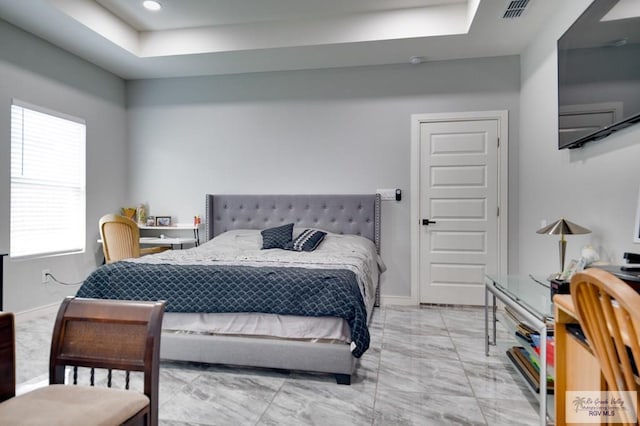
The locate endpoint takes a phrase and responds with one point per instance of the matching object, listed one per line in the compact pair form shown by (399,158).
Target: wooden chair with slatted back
(609,313)
(90,336)
(121,239)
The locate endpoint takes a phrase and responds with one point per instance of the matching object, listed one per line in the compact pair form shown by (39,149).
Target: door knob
(426,222)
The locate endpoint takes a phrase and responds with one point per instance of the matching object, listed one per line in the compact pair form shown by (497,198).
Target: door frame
(502,116)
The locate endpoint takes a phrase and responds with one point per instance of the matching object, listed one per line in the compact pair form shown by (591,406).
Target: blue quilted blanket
(226,288)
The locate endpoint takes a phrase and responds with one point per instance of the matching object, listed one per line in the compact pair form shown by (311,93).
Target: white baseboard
(36,312)
(398,300)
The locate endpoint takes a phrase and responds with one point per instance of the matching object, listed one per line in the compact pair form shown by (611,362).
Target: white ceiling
(203,37)
(203,13)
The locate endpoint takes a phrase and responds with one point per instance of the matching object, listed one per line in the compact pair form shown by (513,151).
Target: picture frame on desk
(571,269)
(163,220)
(151,221)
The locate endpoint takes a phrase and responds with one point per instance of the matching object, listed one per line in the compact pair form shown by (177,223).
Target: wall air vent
(515,9)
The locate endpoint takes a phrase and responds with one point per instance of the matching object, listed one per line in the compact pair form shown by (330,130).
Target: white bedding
(263,325)
(243,247)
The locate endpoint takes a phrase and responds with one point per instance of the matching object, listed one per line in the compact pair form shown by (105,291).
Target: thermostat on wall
(390,194)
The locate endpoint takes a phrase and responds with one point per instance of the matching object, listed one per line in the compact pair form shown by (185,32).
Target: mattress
(242,249)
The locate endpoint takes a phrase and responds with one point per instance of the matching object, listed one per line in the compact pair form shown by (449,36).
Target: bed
(263,310)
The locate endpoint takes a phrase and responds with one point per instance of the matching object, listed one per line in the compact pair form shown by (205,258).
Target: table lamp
(563,227)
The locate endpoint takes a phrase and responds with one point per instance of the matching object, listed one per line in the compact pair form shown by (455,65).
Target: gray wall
(341,130)
(323,131)
(595,186)
(41,74)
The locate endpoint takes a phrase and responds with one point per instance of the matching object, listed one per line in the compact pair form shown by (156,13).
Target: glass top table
(531,292)
(530,297)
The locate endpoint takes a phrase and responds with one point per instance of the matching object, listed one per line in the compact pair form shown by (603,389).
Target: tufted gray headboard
(357,214)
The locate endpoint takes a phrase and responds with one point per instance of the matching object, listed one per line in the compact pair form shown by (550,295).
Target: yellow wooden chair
(121,239)
(609,314)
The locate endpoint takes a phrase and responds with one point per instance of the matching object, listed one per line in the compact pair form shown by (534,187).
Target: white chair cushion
(63,405)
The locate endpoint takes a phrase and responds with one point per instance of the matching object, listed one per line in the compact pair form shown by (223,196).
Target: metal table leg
(488,340)
(486,321)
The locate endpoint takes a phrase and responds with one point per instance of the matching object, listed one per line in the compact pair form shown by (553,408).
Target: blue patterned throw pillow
(277,237)
(308,240)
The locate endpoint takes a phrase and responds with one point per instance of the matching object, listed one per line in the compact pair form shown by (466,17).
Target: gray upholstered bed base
(330,358)
(346,214)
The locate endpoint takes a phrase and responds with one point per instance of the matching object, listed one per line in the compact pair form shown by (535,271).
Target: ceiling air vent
(515,9)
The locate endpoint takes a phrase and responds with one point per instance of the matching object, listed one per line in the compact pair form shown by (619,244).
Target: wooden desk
(575,365)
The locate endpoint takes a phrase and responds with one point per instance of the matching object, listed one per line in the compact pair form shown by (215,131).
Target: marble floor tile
(472,349)
(468,323)
(179,423)
(378,316)
(496,381)
(41,324)
(175,376)
(376,336)
(412,374)
(509,413)
(424,409)
(304,402)
(32,353)
(416,321)
(227,398)
(420,346)
(425,366)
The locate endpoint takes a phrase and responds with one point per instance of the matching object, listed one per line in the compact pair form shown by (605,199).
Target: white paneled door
(459,199)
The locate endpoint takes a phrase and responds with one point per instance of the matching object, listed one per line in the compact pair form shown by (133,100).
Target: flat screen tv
(599,73)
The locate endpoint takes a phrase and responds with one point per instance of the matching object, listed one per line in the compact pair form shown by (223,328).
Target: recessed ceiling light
(415,60)
(152,5)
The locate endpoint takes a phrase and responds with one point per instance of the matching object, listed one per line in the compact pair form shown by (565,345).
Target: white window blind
(47,182)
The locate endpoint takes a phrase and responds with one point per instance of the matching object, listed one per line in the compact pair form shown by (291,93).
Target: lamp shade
(563,227)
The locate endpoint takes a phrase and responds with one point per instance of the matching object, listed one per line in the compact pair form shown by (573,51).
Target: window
(47,182)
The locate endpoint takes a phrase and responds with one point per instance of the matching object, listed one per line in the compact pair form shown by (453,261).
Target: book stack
(526,357)
(529,368)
